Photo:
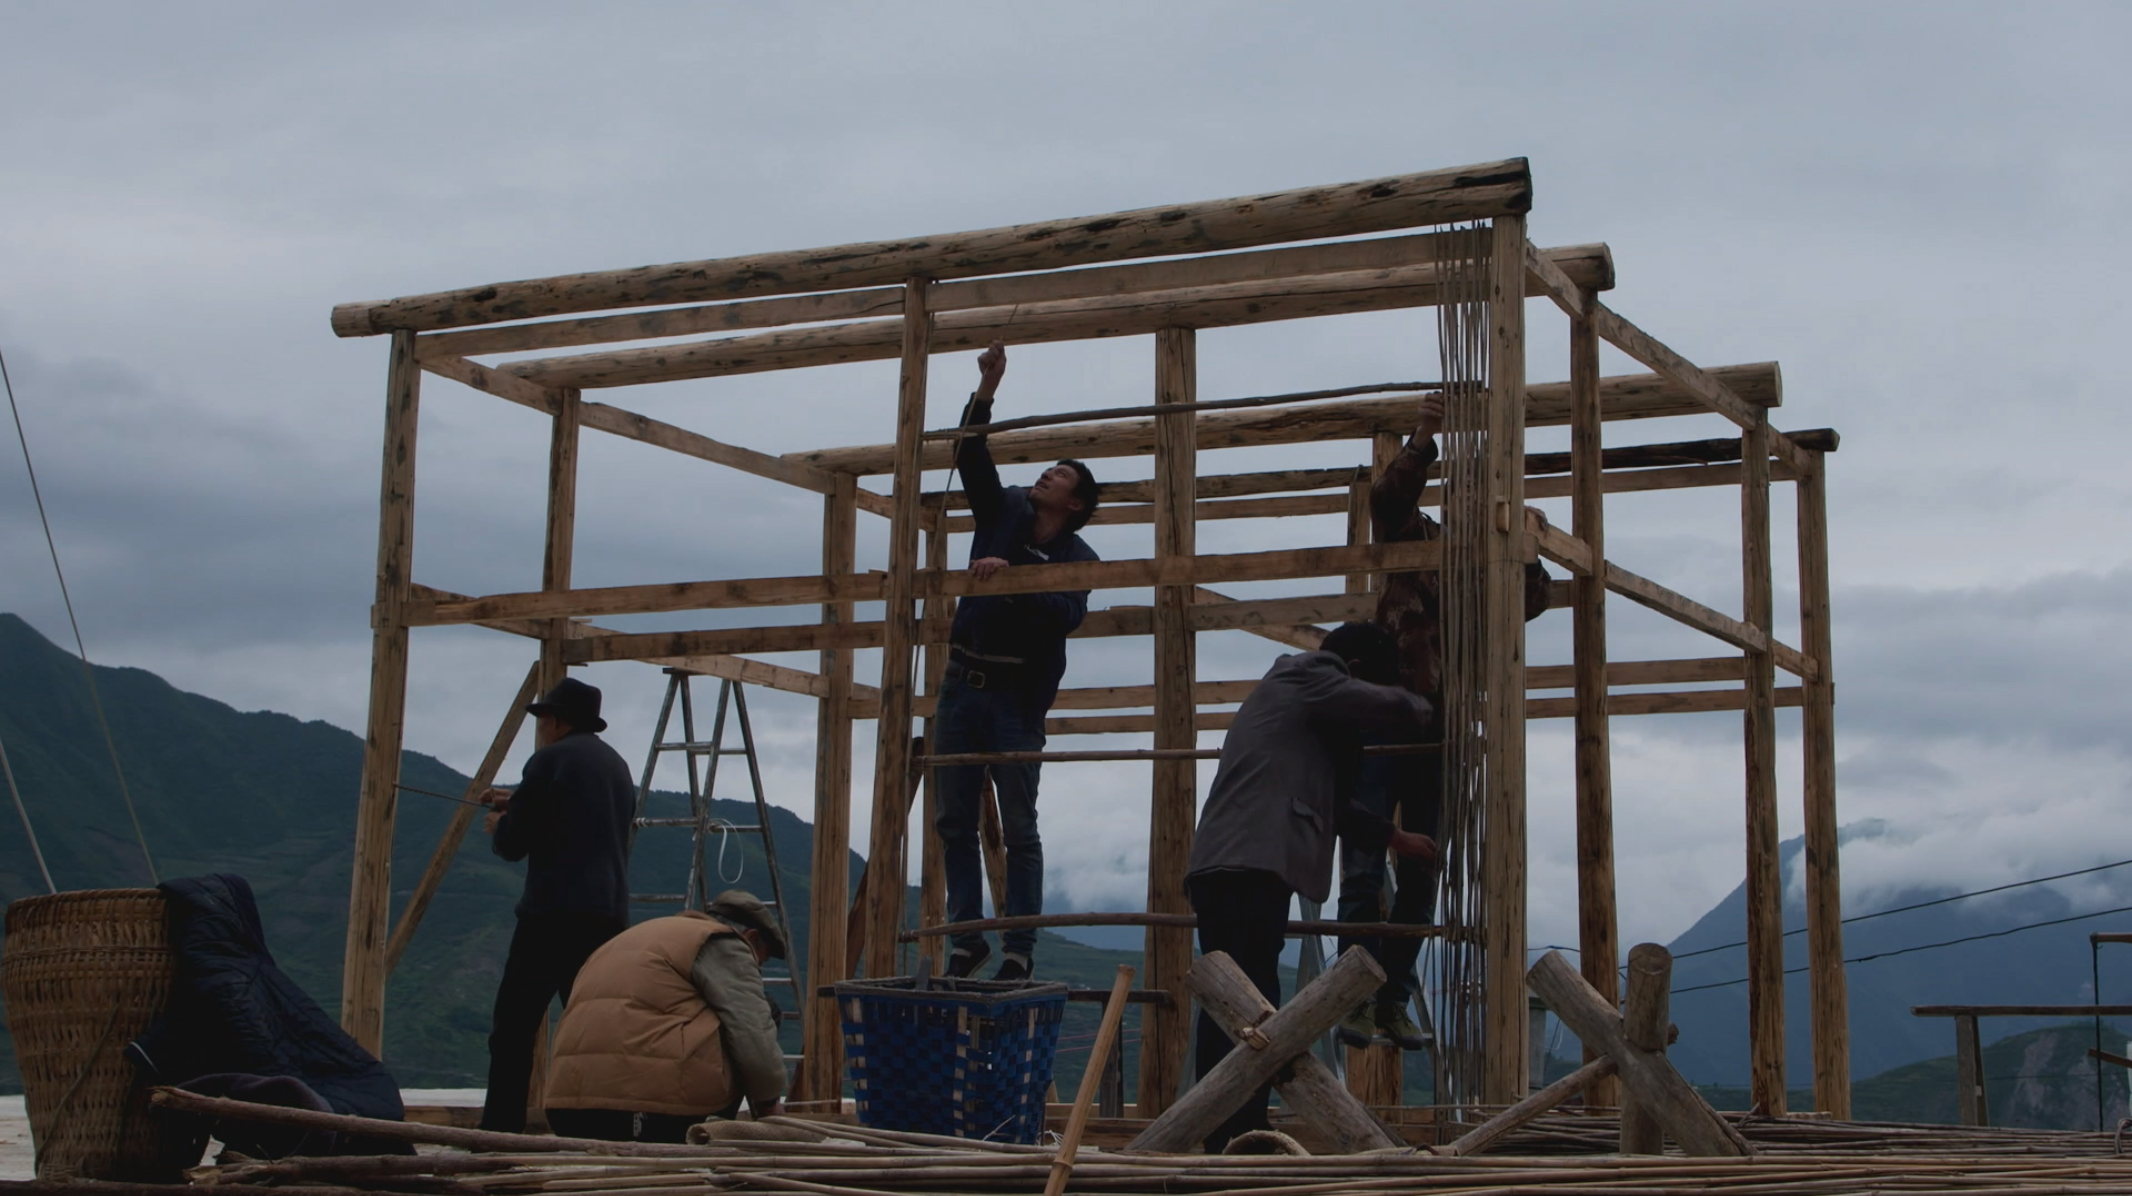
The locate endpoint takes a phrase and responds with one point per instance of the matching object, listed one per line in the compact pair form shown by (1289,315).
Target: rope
(31,831)
(88,674)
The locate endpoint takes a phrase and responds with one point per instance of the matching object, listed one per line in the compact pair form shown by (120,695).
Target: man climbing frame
(1006,655)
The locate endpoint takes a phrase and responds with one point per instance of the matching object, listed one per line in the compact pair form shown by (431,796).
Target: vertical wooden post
(1503,1070)
(363,968)
(1824,887)
(561,530)
(892,742)
(1374,1074)
(1970,1106)
(1175,809)
(823,1066)
(1644,1022)
(1765,876)
(1598,939)
(560,546)
(1358,526)
(932,873)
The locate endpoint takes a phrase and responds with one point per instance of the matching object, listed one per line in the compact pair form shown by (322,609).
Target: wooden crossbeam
(1645,592)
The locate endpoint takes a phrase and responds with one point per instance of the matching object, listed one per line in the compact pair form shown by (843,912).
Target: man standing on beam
(1410,608)
(1006,655)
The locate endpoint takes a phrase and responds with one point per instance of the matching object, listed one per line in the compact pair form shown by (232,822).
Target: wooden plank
(1829,998)
(823,1049)
(891,816)
(1691,701)
(560,537)
(1358,526)
(937,617)
(440,861)
(1503,1017)
(1290,621)
(1641,672)
(678,321)
(1305,214)
(1279,564)
(1645,592)
(1235,508)
(1645,1022)
(1548,278)
(1598,933)
(1686,374)
(363,969)
(496,382)
(1120,724)
(1628,396)
(1558,546)
(1765,871)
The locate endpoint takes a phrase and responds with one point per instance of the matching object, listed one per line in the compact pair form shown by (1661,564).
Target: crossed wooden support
(1658,1101)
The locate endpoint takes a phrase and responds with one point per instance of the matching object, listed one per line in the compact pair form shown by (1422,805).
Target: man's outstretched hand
(1414,846)
(1432,414)
(991,367)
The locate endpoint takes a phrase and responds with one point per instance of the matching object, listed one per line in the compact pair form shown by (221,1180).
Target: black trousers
(1243,913)
(546,952)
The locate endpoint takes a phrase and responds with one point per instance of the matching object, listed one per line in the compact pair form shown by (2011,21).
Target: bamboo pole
(462,820)
(1824,887)
(1503,1070)
(823,1066)
(1597,935)
(892,739)
(1765,873)
(363,968)
(1175,807)
(1091,1079)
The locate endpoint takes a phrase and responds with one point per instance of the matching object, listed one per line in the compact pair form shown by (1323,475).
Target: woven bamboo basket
(83,974)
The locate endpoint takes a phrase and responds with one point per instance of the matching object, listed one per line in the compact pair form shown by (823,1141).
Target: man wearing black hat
(668,1025)
(569,820)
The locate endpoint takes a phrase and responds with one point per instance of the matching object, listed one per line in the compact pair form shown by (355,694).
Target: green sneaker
(1401,1029)
(1358,1027)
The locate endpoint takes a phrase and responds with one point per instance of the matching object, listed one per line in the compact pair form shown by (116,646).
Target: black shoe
(1012,967)
(963,962)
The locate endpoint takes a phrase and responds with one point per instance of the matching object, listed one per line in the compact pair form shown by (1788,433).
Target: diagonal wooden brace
(1288,1033)
(1306,1085)
(1649,1077)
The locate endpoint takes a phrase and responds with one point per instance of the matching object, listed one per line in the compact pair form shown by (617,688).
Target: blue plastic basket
(968,1058)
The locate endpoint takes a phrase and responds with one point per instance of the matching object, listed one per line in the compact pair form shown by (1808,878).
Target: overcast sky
(1915,208)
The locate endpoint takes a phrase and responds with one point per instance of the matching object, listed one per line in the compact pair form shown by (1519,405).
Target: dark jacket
(1286,783)
(1411,604)
(1030,628)
(231,1010)
(569,819)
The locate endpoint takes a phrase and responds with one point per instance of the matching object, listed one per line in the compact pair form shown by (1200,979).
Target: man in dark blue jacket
(1006,655)
(569,819)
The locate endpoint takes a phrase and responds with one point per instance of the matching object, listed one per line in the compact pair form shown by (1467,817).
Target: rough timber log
(1375,205)
(1627,396)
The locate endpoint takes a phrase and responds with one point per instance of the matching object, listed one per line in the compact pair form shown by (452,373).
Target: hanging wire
(88,674)
(31,831)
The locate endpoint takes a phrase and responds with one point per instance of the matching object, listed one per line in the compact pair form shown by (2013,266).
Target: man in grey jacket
(1285,788)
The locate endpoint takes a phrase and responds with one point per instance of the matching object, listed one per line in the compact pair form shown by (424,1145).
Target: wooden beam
(891,816)
(1765,871)
(1502,636)
(937,617)
(1174,804)
(560,540)
(1133,573)
(1646,1018)
(1313,213)
(1514,1118)
(1571,296)
(1829,992)
(1558,546)
(822,1067)
(1685,701)
(1972,1105)
(1645,592)
(363,969)
(1630,396)
(1598,934)
(1590,265)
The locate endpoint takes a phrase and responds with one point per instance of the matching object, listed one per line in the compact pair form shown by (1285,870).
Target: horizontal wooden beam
(1692,701)
(1352,209)
(1707,388)
(661,597)
(1592,266)
(1645,592)
(1221,305)
(1632,396)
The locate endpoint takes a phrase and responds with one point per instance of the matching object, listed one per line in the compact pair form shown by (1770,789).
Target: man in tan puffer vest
(668,1025)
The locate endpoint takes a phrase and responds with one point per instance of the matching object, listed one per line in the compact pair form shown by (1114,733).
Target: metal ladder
(695,893)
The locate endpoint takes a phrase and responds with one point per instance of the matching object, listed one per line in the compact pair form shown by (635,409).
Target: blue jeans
(1414,785)
(989,720)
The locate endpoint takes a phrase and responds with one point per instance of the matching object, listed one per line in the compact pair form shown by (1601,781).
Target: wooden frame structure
(1163,272)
